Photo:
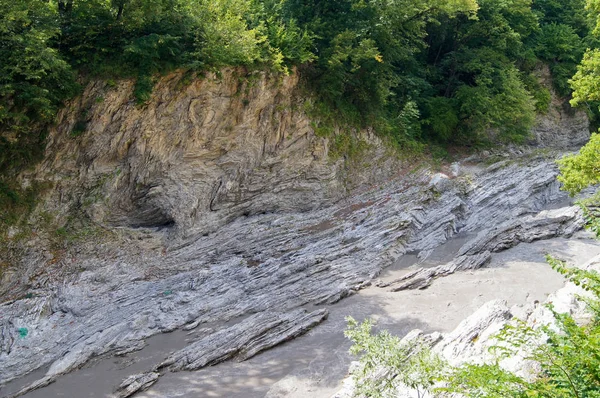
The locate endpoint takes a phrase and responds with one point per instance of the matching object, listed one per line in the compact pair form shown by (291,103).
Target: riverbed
(313,365)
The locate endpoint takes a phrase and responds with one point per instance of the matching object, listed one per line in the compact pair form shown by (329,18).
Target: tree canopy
(443,71)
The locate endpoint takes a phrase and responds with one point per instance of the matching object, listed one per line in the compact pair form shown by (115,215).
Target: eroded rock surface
(222,210)
(477,252)
(135,383)
(268,264)
(561,126)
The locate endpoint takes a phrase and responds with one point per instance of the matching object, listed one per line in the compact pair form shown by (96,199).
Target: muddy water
(98,378)
(101,375)
(440,255)
(313,365)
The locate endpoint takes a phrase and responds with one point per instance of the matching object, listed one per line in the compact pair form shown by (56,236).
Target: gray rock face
(565,129)
(222,210)
(244,340)
(196,156)
(562,126)
(271,265)
(135,383)
(477,252)
(440,182)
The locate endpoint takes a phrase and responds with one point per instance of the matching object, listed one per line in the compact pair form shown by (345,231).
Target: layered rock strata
(221,209)
(271,265)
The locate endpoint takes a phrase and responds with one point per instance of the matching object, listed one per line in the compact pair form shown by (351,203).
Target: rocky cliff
(217,204)
(199,154)
(560,126)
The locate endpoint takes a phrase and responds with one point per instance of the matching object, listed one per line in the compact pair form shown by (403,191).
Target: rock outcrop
(257,265)
(199,154)
(477,252)
(561,126)
(218,205)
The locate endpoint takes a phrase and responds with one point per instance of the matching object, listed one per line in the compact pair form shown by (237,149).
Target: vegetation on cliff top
(462,67)
(441,71)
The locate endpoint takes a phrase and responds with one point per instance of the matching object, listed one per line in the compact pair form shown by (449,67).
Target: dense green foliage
(448,71)
(34,78)
(583,169)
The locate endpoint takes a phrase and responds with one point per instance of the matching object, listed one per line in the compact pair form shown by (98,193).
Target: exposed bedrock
(197,155)
(226,213)
(478,251)
(270,265)
(561,126)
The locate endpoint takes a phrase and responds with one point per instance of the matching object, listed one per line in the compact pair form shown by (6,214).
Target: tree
(474,72)
(34,79)
(449,71)
(582,170)
(388,362)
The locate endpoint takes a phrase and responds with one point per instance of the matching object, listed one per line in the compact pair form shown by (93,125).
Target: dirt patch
(345,212)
